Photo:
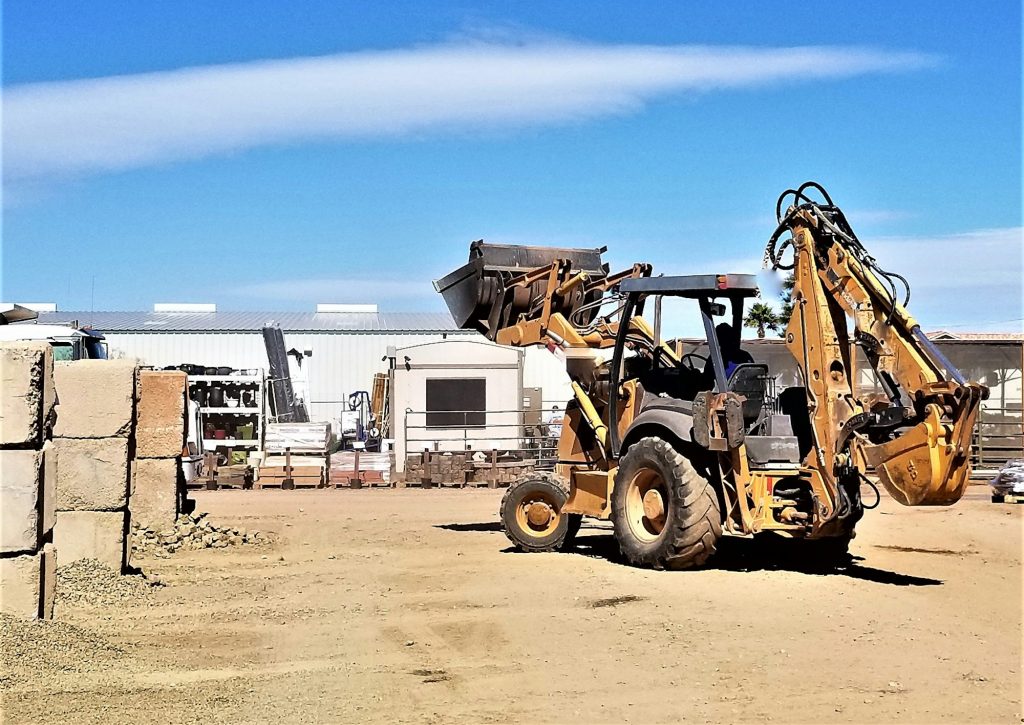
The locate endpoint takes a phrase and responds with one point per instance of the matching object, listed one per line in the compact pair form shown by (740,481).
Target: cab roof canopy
(694,285)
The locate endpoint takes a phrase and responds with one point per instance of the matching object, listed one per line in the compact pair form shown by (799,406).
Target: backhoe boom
(918,436)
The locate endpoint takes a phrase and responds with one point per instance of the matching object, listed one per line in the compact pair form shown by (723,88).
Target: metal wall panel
(541,369)
(341,364)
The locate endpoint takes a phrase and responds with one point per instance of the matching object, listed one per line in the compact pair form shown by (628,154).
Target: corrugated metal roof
(340,322)
(947,336)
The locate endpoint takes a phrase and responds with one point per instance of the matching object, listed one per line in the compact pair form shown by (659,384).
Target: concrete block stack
(27,480)
(94,443)
(159,439)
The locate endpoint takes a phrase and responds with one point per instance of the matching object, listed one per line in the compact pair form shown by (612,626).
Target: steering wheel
(688,361)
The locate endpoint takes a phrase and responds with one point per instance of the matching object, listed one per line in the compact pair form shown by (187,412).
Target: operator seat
(751,381)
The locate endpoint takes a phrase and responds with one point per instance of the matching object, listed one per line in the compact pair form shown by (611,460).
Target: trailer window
(456,402)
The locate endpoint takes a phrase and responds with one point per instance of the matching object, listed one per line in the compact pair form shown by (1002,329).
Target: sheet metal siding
(348,322)
(541,369)
(340,365)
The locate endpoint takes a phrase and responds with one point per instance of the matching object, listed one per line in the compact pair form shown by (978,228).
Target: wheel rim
(537,514)
(646,504)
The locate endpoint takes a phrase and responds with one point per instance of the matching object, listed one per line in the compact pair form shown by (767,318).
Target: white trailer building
(345,344)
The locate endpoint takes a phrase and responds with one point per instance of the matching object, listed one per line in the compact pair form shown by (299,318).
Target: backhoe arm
(918,437)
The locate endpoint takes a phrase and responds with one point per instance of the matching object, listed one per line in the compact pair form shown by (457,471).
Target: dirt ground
(409,606)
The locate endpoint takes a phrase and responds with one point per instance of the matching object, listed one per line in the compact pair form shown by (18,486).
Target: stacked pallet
(215,476)
(355,469)
(295,455)
(458,469)
(499,474)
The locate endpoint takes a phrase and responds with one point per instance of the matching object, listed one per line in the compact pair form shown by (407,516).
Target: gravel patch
(88,582)
(32,651)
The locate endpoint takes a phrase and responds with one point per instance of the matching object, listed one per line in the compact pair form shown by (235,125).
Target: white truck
(18,323)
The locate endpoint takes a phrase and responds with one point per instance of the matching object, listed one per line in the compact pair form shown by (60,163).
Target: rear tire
(666,515)
(531,514)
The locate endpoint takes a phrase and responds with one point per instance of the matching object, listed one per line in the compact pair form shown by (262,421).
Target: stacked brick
(94,442)
(158,487)
(27,480)
(460,469)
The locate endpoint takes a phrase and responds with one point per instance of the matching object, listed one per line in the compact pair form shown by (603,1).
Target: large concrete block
(92,474)
(21,579)
(96,398)
(160,414)
(22,489)
(155,487)
(91,535)
(26,393)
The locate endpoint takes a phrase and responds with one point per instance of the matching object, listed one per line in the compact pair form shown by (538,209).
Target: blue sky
(274,155)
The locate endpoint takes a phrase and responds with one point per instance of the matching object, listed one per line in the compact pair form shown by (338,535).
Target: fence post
(288,481)
(493,483)
(355,481)
(427,481)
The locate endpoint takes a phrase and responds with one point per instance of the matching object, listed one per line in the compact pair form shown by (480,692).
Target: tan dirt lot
(408,606)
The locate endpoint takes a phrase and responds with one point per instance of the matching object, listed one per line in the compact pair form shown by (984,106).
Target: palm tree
(786,297)
(762,317)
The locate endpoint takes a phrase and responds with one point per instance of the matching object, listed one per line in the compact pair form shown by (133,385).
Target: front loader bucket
(472,290)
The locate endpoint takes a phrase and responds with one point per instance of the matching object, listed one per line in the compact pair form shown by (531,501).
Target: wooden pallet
(360,479)
(430,483)
(288,482)
(238,475)
(1008,498)
(293,471)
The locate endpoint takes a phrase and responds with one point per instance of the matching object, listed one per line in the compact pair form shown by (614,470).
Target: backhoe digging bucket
(476,292)
(930,464)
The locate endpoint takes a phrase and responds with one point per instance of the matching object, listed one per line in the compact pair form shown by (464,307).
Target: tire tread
(694,529)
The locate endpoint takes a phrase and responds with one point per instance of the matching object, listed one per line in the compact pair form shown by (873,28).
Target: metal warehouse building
(347,344)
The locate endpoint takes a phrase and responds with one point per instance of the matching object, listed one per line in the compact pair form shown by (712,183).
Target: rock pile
(190,532)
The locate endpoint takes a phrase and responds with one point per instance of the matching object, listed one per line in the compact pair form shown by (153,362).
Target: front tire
(666,515)
(531,514)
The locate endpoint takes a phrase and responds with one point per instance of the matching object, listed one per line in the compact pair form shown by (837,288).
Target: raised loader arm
(544,296)
(918,437)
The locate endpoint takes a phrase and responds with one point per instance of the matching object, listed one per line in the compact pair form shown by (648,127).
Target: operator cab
(682,375)
(672,378)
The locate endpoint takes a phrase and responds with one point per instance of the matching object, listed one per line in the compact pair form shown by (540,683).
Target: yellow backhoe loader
(677,448)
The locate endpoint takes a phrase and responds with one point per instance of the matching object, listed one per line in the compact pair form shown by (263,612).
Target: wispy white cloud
(970,280)
(967,262)
(78,127)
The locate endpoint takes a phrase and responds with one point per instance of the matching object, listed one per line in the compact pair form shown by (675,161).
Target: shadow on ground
(482,526)
(745,554)
(734,554)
